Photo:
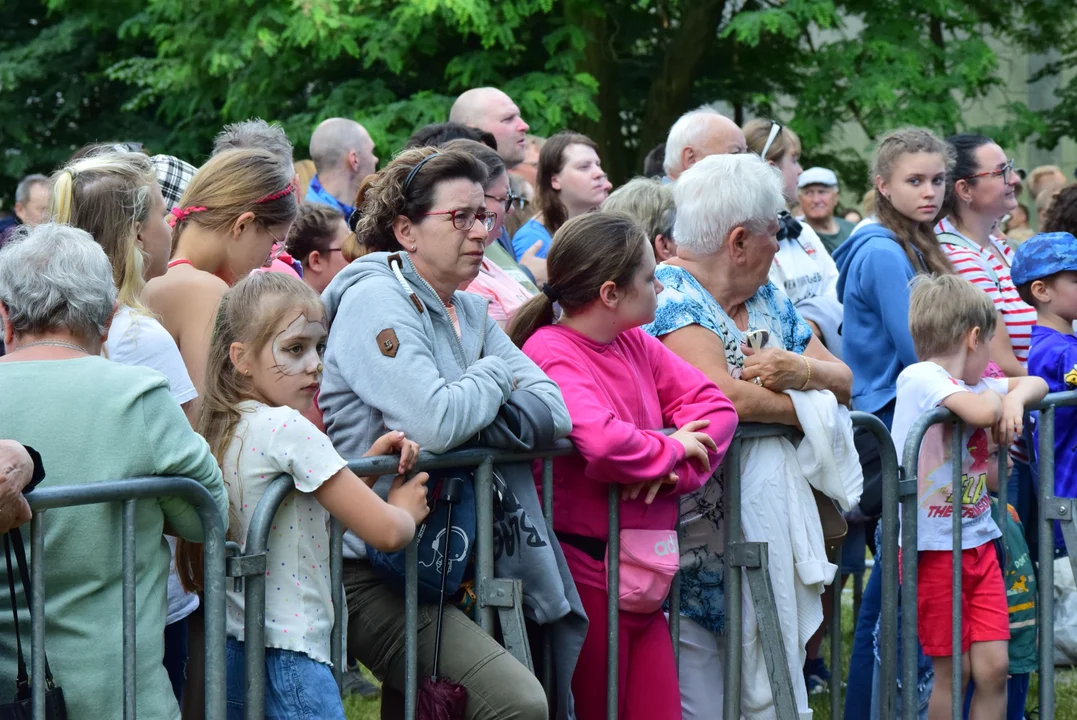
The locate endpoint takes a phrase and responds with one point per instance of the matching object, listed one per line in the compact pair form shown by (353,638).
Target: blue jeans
(176,656)
(862,697)
(297,686)
(861,664)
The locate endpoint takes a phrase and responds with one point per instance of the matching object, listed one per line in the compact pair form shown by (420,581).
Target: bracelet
(807,364)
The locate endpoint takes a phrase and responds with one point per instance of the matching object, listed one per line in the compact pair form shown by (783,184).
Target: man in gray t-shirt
(817,190)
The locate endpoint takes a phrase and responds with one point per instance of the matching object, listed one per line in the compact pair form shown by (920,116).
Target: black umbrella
(441,699)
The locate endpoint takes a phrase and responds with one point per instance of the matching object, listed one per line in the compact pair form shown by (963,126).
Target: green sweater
(94,420)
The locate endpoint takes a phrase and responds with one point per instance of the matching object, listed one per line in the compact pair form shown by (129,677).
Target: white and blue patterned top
(685,302)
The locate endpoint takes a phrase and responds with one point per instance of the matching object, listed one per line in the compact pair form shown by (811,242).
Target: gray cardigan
(395,362)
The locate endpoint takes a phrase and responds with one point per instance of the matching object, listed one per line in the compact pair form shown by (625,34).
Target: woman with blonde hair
(116,198)
(236,209)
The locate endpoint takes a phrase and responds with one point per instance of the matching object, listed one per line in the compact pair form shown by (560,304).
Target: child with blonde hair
(951,322)
(265,366)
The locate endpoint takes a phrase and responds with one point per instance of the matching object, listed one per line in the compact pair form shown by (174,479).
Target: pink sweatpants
(647,687)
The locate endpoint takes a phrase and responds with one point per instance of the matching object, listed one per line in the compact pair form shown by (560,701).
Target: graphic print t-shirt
(922,387)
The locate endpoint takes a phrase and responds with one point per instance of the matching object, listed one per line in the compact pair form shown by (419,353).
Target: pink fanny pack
(649,560)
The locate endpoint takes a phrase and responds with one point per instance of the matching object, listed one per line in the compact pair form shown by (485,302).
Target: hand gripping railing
(1051,508)
(128,492)
(494,593)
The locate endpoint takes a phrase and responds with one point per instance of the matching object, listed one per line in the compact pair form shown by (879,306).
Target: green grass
(355,708)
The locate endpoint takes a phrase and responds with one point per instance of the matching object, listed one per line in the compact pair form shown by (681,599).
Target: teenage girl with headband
(236,208)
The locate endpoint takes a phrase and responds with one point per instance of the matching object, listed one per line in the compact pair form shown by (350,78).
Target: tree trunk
(671,90)
(600,63)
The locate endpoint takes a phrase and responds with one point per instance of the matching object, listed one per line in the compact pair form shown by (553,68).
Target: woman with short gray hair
(650,203)
(717,302)
(57,299)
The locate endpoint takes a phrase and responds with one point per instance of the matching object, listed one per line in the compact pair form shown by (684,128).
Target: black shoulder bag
(22,707)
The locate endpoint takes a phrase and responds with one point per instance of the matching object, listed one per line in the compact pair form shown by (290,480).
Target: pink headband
(286,190)
(181,214)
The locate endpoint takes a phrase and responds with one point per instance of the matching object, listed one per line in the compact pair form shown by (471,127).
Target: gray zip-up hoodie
(395,362)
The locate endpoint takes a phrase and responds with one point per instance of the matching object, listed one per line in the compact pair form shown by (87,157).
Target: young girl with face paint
(265,365)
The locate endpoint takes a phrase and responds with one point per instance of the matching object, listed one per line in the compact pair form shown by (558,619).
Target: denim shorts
(297,686)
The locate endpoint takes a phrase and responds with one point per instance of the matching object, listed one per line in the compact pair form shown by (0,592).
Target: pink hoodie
(620,396)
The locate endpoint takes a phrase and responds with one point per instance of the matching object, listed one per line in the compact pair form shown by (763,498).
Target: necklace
(54,343)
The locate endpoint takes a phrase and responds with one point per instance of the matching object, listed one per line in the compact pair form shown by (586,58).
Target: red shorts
(984,608)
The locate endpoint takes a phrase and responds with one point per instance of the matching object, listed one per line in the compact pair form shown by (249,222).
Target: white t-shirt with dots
(269,441)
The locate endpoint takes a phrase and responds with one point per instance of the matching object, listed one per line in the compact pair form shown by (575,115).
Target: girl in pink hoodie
(622,387)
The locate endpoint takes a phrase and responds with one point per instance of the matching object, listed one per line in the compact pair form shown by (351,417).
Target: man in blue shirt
(1045,273)
(343,156)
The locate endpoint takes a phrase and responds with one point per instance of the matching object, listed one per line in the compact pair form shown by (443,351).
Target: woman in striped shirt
(981,193)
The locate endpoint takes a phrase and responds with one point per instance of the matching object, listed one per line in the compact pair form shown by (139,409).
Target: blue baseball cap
(1043,255)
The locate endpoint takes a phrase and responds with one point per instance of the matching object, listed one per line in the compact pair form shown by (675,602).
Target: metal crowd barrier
(128,492)
(495,594)
(1051,508)
(752,557)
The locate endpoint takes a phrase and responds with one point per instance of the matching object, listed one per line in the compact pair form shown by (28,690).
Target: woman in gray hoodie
(408,351)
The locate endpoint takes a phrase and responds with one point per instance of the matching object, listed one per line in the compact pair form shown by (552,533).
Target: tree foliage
(171,74)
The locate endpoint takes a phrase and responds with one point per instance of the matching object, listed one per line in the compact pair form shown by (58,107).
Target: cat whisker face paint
(298,348)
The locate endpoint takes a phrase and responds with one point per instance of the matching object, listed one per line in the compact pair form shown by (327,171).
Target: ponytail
(533,314)
(61,198)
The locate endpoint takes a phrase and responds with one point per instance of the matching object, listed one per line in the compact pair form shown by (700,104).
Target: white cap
(817,176)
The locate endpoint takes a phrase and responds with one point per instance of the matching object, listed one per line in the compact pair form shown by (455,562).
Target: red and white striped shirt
(971,265)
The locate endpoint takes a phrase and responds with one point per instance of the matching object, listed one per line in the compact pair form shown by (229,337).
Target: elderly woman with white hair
(720,312)
(92,420)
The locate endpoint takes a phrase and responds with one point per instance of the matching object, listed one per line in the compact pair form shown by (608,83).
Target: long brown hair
(249,313)
(552,161)
(383,196)
(917,239)
(587,251)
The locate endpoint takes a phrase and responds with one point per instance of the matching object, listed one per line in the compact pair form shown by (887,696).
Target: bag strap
(22,682)
(948,238)
(24,574)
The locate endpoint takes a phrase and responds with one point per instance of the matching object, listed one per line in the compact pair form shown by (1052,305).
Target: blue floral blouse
(685,302)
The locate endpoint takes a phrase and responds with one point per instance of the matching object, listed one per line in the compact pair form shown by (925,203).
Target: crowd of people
(258,316)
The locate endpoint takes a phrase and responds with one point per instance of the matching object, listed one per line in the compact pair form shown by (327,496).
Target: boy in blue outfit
(1045,273)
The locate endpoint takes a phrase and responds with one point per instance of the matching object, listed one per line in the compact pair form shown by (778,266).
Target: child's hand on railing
(410,496)
(1012,423)
(696,444)
(632,492)
(395,442)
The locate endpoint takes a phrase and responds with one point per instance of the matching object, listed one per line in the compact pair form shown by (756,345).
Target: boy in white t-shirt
(952,322)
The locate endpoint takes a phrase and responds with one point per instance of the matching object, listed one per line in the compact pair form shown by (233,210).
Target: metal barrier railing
(494,593)
(753,558)
(1051,509)
(128,492)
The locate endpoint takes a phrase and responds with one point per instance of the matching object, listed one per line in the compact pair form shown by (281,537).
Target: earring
(969,203)
(414,248)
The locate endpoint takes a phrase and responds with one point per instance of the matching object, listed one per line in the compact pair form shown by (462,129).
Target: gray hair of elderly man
(255,133)
(22,190)
(56,277)
(689,129)
(721,193)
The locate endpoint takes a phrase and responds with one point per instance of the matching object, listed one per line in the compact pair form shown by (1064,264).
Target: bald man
(698,134)
(343,156)
(491,110)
